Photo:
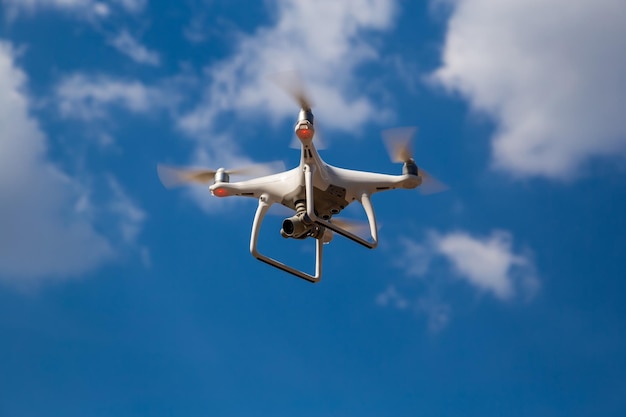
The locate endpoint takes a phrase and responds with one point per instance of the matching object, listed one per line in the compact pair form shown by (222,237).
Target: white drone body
(315,190)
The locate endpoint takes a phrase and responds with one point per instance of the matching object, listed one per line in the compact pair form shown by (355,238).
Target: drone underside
(314,190)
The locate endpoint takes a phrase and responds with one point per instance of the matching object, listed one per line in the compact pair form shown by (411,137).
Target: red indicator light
(220,192)
(304,133)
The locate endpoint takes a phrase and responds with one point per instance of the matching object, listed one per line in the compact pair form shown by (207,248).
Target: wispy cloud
(130,216)
(429,305)
(438,313)
(391,297)
(128,45)
(48,227)
(132,6)
(487,263)
(327,59)
(550,73)
(89,97)
(40,234)
(85,9)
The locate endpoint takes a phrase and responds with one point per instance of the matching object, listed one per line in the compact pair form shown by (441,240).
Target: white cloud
(41,233)
(83,97)
(82,8)
(128,45)
(48,223)
(487,263)
(325,40)
(34,5)
(549,72)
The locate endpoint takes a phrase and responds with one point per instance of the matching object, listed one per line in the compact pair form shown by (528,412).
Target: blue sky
(501,296)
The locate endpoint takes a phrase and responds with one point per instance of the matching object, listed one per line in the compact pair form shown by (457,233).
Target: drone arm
(264,205)
(365,201)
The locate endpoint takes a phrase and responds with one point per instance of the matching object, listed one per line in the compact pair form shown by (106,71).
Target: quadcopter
(314,190)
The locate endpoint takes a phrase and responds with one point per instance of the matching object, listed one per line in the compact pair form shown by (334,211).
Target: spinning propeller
(293,85)
(291,82)
(174,176)
(353,226)
(399,145)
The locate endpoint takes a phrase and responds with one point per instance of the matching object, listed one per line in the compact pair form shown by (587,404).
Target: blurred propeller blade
(174,176)
(291,82)
(430,185)
(260,169)
(352,226)
(399,143)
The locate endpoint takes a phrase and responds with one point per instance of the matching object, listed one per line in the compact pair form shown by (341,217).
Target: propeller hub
(306,115)
(221,176)
(410,168)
